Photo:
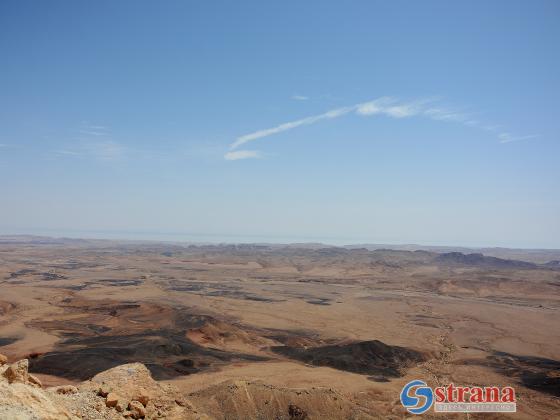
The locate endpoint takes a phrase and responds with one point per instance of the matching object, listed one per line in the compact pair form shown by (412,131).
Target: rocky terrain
(129,391)
(104,329)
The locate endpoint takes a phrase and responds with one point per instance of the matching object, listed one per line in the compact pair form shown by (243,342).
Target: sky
(430,122)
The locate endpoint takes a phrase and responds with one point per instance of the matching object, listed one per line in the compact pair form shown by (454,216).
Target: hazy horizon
(198,238)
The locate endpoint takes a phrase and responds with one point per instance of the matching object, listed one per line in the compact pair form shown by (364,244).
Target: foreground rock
(21,401)
(21,396)
(129,392)
(17,372)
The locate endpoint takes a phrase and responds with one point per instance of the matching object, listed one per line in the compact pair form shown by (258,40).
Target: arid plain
(249,331)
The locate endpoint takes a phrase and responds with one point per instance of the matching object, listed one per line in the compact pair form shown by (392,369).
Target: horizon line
(126,236)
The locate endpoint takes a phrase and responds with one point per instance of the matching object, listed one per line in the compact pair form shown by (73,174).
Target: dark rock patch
(238,294)
(19,273)
(187,287)
(166,353)
(480,260)
(120,282)
(296,413)
(367,357)
(53,276)
(378,379)
(5,341)
(536,373)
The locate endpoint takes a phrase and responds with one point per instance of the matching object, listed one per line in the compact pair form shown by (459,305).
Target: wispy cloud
(93,133)
(94,142)
(99,150)
(105,150)
(335,113)
(508,138)
(442,114)
(386,106)
(391,107)
(67,152)
(243,154)
(297,97)
(93,130)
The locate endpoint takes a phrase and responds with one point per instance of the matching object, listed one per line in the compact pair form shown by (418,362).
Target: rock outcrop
(126,391)
(129,392)
(17,372)
(22,397)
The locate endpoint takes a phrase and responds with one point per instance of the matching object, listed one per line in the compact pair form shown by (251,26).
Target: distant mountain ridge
(479,260)
(550,257)
(538,256)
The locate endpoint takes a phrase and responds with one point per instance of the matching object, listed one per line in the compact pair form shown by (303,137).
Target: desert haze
(268,331)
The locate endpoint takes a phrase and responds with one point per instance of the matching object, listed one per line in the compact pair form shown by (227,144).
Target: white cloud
(392,108)
(95,143)
(93,133)
(493,128)
(442,114)
(300,97)
(67,152)
(290,126)
(377,106)
(101,150)
(93,130)
(508,138)
(387,106)
(243,154)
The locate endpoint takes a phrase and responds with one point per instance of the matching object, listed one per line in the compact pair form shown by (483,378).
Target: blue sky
(396,122)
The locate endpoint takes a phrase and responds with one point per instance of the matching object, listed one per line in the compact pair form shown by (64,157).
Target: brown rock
(104,390)
(112,400)
(296,413)
(34,381)
(121,405)
(17,372)
(64,389)
(3,360)
(143,397)
(137,409)
(131,380)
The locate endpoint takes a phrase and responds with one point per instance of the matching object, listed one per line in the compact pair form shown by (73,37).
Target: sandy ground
(224,308)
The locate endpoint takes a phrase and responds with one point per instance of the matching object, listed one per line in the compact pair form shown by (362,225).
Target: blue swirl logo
(417,397)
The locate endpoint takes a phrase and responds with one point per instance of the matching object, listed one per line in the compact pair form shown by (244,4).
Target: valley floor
(232,327)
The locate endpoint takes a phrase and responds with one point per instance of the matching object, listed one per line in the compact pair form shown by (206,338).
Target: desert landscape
(293,210)
(274,331)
